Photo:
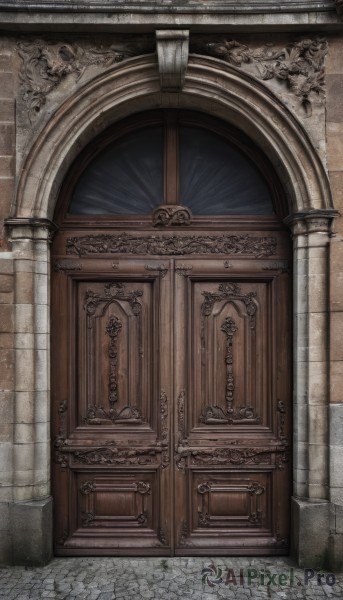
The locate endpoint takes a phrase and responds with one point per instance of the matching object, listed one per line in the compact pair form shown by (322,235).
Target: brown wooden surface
(171,387)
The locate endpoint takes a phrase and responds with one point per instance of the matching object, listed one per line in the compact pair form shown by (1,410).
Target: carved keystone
(172,53)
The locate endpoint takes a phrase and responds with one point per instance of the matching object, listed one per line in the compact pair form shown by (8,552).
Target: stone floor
(168,579)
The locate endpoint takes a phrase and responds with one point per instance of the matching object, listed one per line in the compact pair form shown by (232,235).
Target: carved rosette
(167,216)
(174,245)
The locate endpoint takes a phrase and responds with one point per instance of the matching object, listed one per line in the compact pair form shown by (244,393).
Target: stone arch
(216,88)
(211,86)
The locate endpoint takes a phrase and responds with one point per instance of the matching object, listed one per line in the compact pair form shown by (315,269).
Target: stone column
(311,509)
(31,510)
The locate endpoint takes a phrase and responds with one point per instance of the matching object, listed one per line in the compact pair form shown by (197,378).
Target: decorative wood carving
(109,455)
(87,488)
(168,216)
(233,456)
(183,270)
(300,64)
(254,488)
(142,518)
(87,519)
(45,64)
(229,327)
(143,487)
(163,269)
(96,415)
(112,329)
(203,520)
(164,429)
(162,536)
(179,458)
(227,264)
(175,245)
(230,292)
(184,533)
(112,291)
(255,518)
(66,265)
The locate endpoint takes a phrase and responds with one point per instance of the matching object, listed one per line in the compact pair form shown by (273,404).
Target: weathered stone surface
(336,381)
(32,531)
(336,337)
(334,146)
(309,543)
(334,107)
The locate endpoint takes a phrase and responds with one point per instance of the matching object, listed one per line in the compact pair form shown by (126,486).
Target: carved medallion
(168,216)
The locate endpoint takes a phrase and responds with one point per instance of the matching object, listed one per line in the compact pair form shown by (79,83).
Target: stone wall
(334,135)
(24,294)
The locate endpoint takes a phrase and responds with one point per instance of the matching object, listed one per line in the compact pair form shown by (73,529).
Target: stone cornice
(230,6)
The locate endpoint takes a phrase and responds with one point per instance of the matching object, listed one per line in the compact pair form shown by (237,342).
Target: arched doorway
(171,366)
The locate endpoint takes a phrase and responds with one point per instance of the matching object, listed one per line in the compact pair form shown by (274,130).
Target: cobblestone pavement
(167,579)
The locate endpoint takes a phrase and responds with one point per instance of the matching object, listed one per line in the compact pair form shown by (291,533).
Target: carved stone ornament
(45,64)
(168,216)
(172,54)
(300,64)
(174,245)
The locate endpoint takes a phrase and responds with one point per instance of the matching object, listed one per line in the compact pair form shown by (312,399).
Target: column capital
(33,228)
(312,221)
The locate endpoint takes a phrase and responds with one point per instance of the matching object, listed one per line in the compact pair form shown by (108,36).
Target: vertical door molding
(32,507)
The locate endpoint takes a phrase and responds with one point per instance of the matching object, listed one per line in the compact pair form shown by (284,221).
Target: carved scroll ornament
(174,245)
(167,216)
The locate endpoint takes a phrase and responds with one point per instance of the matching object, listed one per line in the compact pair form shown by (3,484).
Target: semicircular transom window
(171,163)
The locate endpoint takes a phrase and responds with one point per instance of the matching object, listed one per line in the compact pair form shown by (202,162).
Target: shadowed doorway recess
(171,338)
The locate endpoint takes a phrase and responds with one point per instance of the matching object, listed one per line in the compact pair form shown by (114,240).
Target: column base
(30,533)
(310,532)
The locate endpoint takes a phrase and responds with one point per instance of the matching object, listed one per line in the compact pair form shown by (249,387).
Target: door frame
(310,217)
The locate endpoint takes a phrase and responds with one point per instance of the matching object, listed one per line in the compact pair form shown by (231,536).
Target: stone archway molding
(213,87)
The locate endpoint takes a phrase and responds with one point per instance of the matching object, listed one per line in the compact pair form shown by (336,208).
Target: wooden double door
(171,393)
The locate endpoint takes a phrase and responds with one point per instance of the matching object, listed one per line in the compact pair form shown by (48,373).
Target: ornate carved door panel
(111,333)
(171,404)
(232,345)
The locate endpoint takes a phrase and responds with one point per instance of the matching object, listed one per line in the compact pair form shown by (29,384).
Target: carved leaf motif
(125,243)
(300,64)
(46,64)
(113,291)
